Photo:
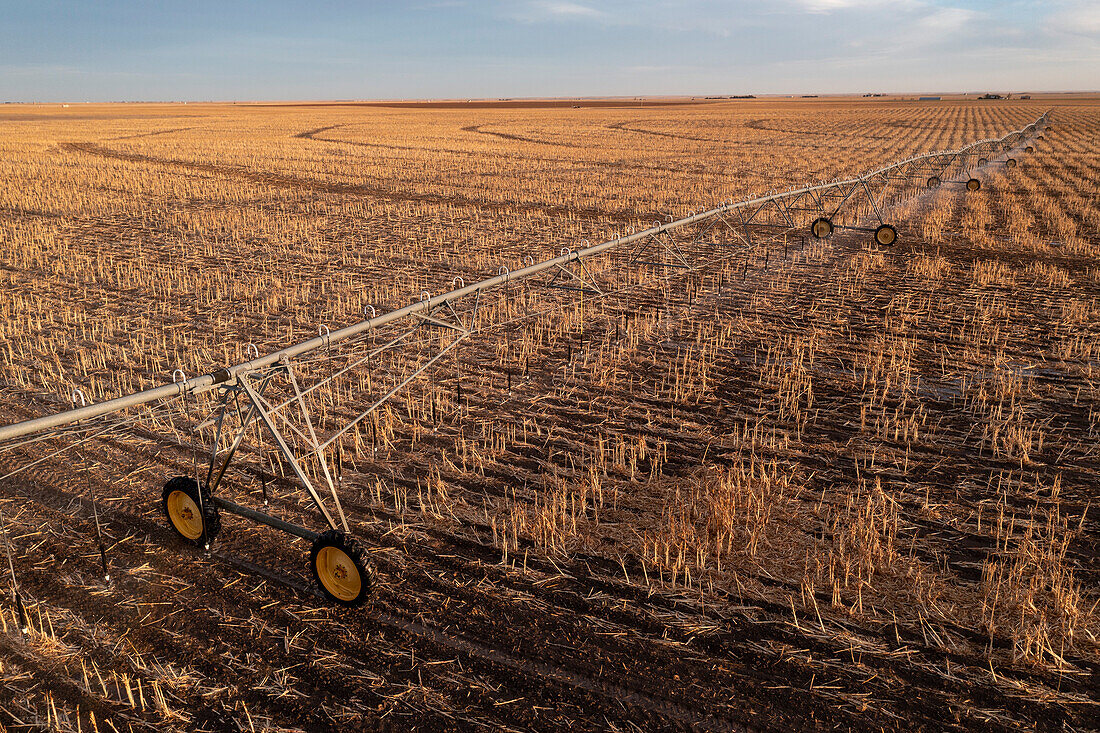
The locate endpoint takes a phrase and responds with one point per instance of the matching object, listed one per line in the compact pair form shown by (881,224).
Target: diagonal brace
(284,448)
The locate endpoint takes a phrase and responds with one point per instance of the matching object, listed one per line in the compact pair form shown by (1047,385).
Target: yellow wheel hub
(338,573)
(185,515)
(886,236)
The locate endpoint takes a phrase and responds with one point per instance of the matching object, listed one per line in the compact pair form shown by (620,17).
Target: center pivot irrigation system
(302,405)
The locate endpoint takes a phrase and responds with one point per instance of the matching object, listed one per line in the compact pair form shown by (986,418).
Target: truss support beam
(316,446)
(285,449)
(245,424)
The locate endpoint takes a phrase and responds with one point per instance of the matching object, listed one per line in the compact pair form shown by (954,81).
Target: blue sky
(104,50)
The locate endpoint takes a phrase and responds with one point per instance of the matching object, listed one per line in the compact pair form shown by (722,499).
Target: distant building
(1025,96)
(928,99)
(991,96)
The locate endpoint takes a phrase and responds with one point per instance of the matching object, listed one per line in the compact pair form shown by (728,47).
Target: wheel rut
(481,155)
(286,181)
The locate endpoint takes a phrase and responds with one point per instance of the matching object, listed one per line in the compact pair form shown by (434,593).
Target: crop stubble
(812,485)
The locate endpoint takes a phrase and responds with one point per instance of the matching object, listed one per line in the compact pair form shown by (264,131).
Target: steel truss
(298,404)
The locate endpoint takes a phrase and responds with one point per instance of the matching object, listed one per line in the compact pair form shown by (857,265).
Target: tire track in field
(519,138)
(152,134)
(287,181)
(624,127)
(613,165)
(759,125)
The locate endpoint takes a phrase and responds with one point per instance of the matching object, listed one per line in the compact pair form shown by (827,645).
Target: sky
(158,50)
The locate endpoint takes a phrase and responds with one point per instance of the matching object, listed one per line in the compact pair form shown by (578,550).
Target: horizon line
(708,96)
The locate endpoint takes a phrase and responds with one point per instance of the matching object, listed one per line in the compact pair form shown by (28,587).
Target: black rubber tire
(933,181)
(826,226)
(211,520)
(973,185)
(355,552)
(1029,149)
(982,161)
(886,236)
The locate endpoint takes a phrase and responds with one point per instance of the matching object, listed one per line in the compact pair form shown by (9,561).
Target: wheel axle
(822,228)
(886,236)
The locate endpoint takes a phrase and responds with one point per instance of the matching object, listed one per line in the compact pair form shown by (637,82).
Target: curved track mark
(310,134)
(623,127)
(151,134)
(313,135)
(283,180)
(519,138)
(759,125)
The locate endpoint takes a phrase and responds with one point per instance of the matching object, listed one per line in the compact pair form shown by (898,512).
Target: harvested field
(803,484)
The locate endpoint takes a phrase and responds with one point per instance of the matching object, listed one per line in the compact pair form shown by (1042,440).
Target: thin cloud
(552,10)
(1077,19)
(572,10)
(947,20)
(828,6)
